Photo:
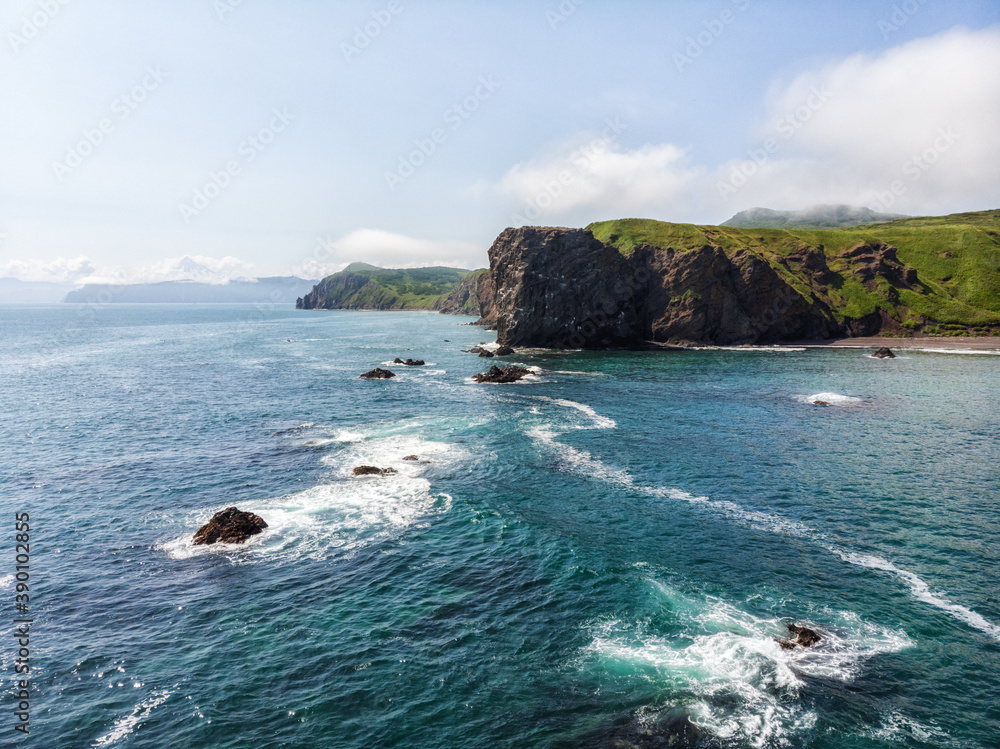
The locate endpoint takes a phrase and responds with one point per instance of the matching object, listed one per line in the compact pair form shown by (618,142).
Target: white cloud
(597,177)
(388,250)
(60,270)
(82,270)
(912,130)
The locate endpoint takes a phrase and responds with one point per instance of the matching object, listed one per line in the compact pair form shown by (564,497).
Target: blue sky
(313,142)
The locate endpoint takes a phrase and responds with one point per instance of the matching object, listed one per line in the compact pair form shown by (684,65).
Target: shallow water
(596,556)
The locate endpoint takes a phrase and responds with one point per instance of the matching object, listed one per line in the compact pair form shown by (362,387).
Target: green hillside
(363,286)
(956,258)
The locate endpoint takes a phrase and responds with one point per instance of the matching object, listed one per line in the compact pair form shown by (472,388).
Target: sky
(222,139)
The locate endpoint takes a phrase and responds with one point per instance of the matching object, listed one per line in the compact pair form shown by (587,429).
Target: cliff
(464,298)
(623,283)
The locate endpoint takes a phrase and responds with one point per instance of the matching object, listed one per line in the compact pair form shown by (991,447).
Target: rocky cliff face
(563,288)
(464,298)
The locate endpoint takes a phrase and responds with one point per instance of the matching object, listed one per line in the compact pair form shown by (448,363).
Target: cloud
(388,250)
(81,270)
(596,176)
(911,130)
(60,270)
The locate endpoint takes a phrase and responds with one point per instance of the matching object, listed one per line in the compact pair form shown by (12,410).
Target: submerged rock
(820,403)
(803,636)
(511,373)
(412,457)
(230,526)
(475,350)
(884,353)
(373,471)
(378,374)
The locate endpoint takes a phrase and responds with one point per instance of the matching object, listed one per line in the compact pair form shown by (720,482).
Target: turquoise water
(599,556)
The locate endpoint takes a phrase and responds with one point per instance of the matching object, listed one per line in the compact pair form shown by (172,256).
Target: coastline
(949,343)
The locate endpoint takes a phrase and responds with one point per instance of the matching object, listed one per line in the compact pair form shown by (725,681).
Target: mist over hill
(272,290)
(816,217)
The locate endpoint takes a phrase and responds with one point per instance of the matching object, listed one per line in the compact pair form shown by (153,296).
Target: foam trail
(921,590)
(585,463)
(124,726)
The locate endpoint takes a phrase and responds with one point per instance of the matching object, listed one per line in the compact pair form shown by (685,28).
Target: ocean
(604,554)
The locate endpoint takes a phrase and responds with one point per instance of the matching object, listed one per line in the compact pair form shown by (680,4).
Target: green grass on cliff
(364,286)
(957,259)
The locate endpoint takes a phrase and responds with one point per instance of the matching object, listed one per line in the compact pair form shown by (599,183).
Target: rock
(230,526)
(373,471)
(884,353)
(414,362)
(463,299)
(377,374)
(504,351)
(508,374)
(820,403)
(484,354)
(475,350)
(412,457)
(803,636)
(397,360)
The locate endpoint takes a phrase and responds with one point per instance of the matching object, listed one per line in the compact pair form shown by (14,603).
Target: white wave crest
(834,399)
(125,726)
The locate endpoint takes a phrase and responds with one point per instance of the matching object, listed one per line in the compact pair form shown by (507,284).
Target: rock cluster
(409,362)
(508,374)
(377,374)
(373,471)
(230,526)
(802,637)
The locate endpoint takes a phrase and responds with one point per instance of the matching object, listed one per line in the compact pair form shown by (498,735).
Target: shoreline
(950,343)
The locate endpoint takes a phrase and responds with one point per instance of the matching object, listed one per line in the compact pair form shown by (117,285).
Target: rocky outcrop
(230,526)
(409,362)
(373,471)
(801,637)
(563,288)
(884,353)
(377,374)
(875,260)
(464,298)
(504,351)
(508,374)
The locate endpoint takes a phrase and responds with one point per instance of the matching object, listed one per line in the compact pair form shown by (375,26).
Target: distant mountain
(273,289)
(13,290)
(817,217)
(364,286)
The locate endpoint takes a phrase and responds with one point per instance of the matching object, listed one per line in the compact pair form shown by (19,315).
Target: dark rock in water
(475,350)
(820,403)
(884,353)
(378,374)
(486,354)
(513,373)
(397,360)
(414,362)
(230,526)
(373,471)
(504,351)
(803,636)
(412,457)
(671,729)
